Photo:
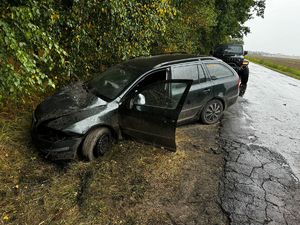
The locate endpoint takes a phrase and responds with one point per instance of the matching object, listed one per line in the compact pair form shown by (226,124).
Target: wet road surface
(261,139)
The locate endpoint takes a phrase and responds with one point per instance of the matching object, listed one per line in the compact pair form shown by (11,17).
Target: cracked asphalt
(260,136)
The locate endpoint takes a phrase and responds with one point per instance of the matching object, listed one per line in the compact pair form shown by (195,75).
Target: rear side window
(218,70)
(189,72)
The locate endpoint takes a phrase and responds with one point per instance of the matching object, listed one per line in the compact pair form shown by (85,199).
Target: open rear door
(150,114)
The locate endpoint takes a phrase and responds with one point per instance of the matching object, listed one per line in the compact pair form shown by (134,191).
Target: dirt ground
(132,184)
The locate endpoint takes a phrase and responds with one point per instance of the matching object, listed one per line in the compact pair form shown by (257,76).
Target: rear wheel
(244,75)
(212,112)
(243,88)
(96,143)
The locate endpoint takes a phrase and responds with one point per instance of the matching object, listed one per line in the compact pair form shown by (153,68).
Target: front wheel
(96,143)
(212,112)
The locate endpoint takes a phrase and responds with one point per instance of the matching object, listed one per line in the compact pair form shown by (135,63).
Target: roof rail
(199,58)
(208,58)
(177,61)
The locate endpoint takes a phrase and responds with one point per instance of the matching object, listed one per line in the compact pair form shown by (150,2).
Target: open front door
(150,114)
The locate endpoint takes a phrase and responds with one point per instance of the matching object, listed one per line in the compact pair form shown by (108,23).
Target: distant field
(290,67)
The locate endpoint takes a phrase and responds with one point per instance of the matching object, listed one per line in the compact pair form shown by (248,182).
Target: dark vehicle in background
(233,55)
(144,98)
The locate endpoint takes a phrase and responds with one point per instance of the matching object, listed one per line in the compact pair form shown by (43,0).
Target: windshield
(111,83)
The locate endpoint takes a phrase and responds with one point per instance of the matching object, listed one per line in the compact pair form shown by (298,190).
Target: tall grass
(292,72)
(132,184)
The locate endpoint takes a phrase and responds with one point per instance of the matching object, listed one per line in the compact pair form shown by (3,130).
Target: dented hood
(67,100)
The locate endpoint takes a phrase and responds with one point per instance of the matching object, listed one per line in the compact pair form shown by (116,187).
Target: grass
(132,184)
(290,67)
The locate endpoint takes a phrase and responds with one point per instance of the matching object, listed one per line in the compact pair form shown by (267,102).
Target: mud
(84,184)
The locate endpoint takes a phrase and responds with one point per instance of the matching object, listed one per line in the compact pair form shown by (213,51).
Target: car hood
(65,101)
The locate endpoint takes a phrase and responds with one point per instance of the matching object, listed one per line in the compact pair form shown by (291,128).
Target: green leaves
(115,30)
(28,50)
(46,43)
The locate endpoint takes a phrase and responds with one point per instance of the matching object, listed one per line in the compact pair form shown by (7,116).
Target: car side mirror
(138,100)
(245,52)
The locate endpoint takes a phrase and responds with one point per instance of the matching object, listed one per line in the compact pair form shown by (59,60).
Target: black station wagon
(143,98)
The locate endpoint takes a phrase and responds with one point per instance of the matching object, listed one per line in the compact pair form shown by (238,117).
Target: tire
(243,88)
(212,112)
(96,143)
(244,75)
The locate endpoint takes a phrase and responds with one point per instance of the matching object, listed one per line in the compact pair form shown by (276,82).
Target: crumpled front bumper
(57,150)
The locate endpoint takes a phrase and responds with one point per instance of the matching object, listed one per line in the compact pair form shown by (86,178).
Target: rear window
(230,49)
(218,70)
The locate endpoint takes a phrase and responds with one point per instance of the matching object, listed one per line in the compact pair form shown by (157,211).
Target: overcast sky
(279,31)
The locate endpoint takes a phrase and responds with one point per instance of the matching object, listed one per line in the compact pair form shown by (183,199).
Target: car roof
(146,63)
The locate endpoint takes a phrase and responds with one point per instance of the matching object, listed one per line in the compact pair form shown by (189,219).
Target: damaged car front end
(61,121)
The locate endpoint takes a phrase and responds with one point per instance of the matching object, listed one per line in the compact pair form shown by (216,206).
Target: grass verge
(132,184)
(277,65)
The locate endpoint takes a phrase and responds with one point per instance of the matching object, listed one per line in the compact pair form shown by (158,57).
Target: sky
(279,31)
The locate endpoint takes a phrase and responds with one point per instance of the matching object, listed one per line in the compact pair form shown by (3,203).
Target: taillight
(245,62)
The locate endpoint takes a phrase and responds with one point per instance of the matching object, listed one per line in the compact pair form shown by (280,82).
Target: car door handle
(207,90)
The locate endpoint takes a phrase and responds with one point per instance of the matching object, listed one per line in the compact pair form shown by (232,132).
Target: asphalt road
(261,138)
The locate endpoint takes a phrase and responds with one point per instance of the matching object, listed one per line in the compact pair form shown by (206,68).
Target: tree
(232,16)
(200,25)
(45,42)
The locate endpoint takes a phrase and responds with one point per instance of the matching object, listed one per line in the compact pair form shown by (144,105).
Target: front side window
(159,95)
(218,70)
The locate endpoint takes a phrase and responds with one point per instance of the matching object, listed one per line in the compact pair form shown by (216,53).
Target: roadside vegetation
(132,184)
(48,43)
(287,66)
